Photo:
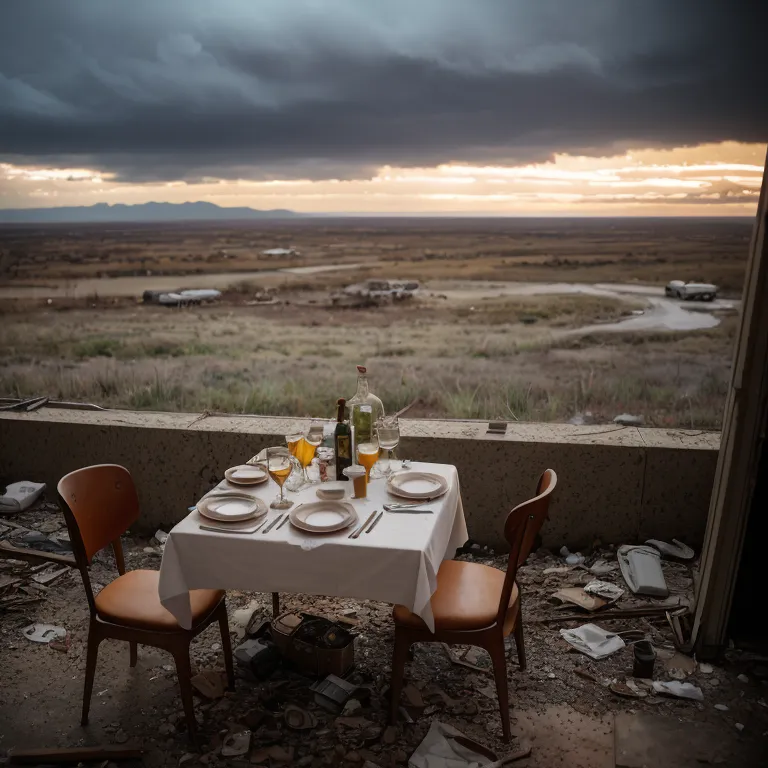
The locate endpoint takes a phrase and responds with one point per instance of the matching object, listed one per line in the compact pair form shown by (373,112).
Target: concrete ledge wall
(616,484)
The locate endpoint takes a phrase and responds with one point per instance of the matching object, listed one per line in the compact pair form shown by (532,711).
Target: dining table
(395,562)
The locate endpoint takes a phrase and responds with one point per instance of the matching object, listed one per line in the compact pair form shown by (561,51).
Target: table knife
(359,530)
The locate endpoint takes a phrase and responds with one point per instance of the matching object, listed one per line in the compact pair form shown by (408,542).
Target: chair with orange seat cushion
(476,604)
(99,504)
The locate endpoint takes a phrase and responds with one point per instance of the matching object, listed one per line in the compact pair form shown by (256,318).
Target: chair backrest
(99,504)
(520,529)
(538,509)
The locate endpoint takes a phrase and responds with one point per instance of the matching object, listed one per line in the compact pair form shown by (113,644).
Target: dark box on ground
(315,645)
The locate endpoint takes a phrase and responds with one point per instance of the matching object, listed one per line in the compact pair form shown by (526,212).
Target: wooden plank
(744,419)
(10,552)
(74,754)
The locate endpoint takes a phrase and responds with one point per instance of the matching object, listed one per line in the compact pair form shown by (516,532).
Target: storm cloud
(189,89)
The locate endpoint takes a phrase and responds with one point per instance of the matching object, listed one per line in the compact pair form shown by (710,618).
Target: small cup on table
(359,477)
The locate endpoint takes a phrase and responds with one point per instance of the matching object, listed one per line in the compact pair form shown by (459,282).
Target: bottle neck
(362,387)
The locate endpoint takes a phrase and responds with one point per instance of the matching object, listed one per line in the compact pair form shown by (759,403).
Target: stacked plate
(247,474)
(231,507)
(417,485)
(323,516)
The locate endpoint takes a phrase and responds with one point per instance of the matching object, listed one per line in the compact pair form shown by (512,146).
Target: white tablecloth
(396,563)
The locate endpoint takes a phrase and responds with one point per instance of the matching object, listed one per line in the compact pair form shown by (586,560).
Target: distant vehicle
(384,289)
(691,291)
(180,298)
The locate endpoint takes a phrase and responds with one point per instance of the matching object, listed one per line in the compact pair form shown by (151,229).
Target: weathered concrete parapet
(616,484)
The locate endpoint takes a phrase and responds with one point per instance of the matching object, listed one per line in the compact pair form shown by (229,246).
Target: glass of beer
(368,454)
(293,441)
(279,468)
(307,445)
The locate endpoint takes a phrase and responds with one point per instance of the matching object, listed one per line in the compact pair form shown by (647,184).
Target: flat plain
(520,319)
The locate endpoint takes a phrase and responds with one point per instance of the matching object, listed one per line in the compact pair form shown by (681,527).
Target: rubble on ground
(276,720)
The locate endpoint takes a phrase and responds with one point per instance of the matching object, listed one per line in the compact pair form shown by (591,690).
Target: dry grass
(290,360)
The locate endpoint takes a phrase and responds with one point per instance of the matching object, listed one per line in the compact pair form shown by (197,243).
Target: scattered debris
(592,640)
(575,558)
(610,592)
(299,719)
(677,549)
(706,669)
(578,596)
(209,683)
(236,744)
(641,569)
(275,752)
(628,688)
(20,496)
(72,755)
(161,537)
(43,633)
(739,726)
(49,573)
(602,567)
(645,659)
(679,690)
(721,707)
(443,745)
(679,666)
(742,678)
(333,692)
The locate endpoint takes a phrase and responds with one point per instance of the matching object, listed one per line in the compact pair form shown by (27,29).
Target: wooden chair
(99,504)
(476,604)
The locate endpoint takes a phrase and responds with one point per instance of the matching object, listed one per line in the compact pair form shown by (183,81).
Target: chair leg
(92,654)
(519,640)
(134,653)
(226,645)
(184,673)
(498,657)
(399,657)
(275,604)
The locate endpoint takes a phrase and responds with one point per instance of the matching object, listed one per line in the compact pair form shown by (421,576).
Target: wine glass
(279,468)
(368,454)
(388,432)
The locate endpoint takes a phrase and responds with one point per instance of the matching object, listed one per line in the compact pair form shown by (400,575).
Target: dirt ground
(562,706)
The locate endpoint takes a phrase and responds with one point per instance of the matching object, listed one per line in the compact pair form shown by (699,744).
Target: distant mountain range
(144,212)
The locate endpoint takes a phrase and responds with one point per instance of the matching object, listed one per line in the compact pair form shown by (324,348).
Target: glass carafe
(364,419)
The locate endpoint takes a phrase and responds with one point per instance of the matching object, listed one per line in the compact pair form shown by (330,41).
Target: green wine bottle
(342,441)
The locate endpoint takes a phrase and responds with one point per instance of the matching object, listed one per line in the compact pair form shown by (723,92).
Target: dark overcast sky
(173,89)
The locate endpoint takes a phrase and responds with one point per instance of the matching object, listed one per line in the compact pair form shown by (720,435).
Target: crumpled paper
(594,641)
(439,749)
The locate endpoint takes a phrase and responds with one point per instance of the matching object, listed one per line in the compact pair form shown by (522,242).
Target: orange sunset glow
(710,179)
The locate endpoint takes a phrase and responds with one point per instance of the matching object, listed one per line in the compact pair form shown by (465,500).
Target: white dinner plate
(323,516)
(247,474)
(231,507)
(417,485)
